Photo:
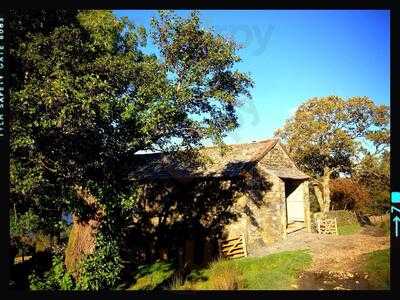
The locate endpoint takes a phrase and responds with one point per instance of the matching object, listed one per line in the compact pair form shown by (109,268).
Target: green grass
(347,229)
(149,277)
(273,272)
(377,265)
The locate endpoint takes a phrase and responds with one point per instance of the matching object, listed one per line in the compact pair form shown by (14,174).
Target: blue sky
(298,54)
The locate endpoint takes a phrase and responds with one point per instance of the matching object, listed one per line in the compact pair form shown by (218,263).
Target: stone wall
(263,221)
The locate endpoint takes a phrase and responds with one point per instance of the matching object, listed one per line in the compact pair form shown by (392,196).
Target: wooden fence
(234,247)
(378,219)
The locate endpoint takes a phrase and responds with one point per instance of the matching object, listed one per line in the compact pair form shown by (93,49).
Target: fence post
(337,233)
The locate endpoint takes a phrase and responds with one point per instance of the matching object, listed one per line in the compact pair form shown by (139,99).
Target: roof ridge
(258,157)
(215,146)
(241,144)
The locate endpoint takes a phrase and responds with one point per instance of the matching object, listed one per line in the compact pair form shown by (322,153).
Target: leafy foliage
(328,136)
(55,279)
(374,173)
(101,269)
(24,224)
(89,99)
(332,132)
(85,97)
(347,193)
(23,228)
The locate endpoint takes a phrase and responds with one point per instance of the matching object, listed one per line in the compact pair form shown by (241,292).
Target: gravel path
(334,257)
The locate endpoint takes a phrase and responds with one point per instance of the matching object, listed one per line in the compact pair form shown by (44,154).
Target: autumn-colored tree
(328,135)
(374,172)
(348,193)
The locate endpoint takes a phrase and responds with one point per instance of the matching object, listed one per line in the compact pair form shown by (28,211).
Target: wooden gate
(327,226)
(234,247)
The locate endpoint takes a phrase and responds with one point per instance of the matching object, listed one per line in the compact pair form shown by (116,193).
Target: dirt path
(335,258)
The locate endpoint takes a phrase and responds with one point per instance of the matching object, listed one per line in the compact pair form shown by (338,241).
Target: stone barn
(254,190)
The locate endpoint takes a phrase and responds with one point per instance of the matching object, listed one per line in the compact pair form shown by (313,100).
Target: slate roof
(230,164)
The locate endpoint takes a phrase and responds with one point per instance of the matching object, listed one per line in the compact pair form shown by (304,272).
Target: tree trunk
(82,237)
(318,193)
(325,189)
(322,191)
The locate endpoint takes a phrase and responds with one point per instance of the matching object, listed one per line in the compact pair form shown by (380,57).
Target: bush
(347,193)
(102,269)
(55,279)
(99,270)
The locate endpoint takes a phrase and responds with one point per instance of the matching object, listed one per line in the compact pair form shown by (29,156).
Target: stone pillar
(283,207)
(307,212)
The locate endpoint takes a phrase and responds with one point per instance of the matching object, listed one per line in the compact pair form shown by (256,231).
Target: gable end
(277,157)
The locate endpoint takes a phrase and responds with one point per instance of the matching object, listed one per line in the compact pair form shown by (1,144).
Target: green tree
(329,135)
(27,182)
(86,97)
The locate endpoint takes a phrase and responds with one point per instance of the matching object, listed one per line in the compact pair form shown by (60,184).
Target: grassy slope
(377,265)
(273,272)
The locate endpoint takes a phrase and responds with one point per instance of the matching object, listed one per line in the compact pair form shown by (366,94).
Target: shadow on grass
(163,275)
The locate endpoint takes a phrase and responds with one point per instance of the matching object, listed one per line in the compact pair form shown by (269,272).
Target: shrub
(347,193)
(55,279)
(101,269)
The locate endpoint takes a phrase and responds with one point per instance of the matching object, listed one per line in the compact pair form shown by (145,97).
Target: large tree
(329,135)
(85,97)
